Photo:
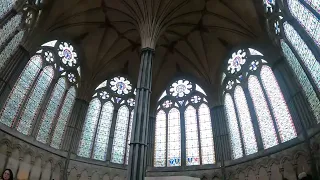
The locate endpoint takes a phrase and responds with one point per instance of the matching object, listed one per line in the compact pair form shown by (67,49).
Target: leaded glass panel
(279,107)
(249,139)
(267,128)
(9,28)
(315,4)
(233,128)
(192,141)
(89,128)
(10,49)
(174,138)
(103,132)
(206,135)
(120,134)
(51,111)
(304,52)
(31,108)
(6,6)
(129,137)
(20,90)
(65,112)
(303,80)
(160,140)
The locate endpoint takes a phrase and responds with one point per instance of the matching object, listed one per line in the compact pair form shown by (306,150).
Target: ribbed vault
(190,36)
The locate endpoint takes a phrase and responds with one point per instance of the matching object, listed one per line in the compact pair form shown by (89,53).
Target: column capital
(147,49)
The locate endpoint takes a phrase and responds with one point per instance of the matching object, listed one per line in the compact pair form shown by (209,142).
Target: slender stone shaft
(138,145)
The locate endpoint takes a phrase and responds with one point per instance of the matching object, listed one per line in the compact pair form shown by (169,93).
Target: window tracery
(35,81)
(270,109)
(183,105)
(112,106)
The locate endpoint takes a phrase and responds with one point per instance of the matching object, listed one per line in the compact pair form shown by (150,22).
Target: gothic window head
(183,126)
(44,82)
(112,105)
(252,94)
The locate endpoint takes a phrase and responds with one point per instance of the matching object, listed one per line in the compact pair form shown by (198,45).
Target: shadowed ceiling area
(190,36)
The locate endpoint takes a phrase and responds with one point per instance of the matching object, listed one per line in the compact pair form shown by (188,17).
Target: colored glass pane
(307,57)
(89,128)
(315,4)
(233,128)
(249,139)
(10,49)
(279,107)
(174,138)
(65,112)
(206,135)
(32,106)
(160,140)
(192,141)
(103,132)
(20,90)
(306,18)
(9,28)
(267,129)
(303,80)
(51,111)
(120,134)
(129,137)
(6,6)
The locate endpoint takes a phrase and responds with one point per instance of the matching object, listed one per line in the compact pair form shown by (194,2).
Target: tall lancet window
(183,127)
(252,94)
(298,49)
(42,98)
(107,129)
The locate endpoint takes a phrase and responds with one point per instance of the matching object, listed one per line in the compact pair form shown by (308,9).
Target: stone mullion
(112,130)
(7,17)
(183,148)
(73,131)
(270,110)
(199,138)
(95,132)
(151,137)
(127,137)
(239,125)
(56,116)
(138,146)
(167,133)
(254,119)
(42,109)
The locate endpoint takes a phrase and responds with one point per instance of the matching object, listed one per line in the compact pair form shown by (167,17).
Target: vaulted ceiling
(190,36)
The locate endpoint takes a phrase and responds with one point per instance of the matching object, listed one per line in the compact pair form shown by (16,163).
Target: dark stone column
(73,130)
(138,143)
(151,136)
(220,134)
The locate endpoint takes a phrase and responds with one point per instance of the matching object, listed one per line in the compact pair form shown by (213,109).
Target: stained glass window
(129,137)
(302,78)
(279,108)
(192,141)
(9,28)
(20,90)
(9,50)
(307,57)
(206,135)
(102,135)
(249,139)
(63,118)
(89,128)
(51,111)
(174,138)
(6,6)
(233,128)
(120,134)
(306,18)
(160,140)
(267,128)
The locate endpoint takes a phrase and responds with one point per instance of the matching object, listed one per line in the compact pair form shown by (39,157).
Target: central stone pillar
(138,145)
